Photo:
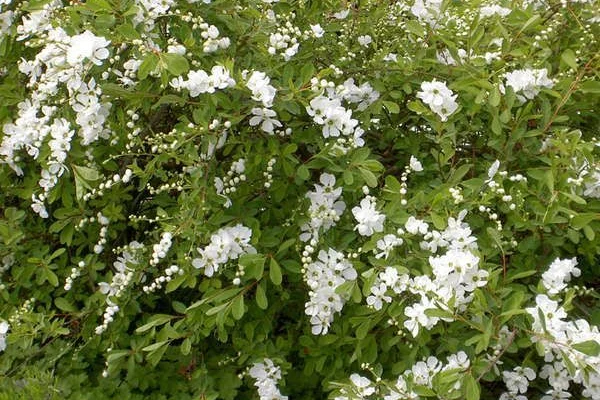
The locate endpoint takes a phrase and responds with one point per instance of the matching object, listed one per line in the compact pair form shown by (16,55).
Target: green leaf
(302,173)
(583,219)
(237,307)
(494,98)
(64,304)
(176,63)
(186,346)
(569,58)
(155,346)
(253,265)
(369,177)
(415,28)
(155,320)
(589,347)
(261,296)
(85,173)
(472,390)
(147,66)
(275,272)
(392,107)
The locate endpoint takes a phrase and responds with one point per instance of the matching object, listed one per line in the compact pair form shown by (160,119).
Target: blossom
(440,99)
(528,82)
(3,330)
(262,91)
(364,40)
(317,30)
(415,226)
(558,274)
(369,219)
(264,117)
(362,385)
(87,45)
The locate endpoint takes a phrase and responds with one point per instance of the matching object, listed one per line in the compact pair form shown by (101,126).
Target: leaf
(589,347)
(369,177)
(521,275)
(302,173)
(186,346)
(275,272)
(147,66)
(176,63)
(417,107)
(253,265)
(237,307)
(415,28)
(471,388)
(392,107)
(583,219)
(217,309)
(568,56)
(64,304)
(494,98)
(169,99)
(261,297)
(155,320)
(155,346)
(85,173)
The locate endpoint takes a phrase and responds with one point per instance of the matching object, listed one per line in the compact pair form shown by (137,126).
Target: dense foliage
(312,199)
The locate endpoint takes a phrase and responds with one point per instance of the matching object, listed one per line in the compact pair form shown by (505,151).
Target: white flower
(362,385)
(369,219)
(264,117)
(415,226)
(378,296)
(387,244)
(415,164)
(528,82)
(341,14)
(317,30)
(391,57)
(3,330)
(262,91)
(558,274)
(440,99)
(87,45)
(517,381)
(364,40)
(494,9)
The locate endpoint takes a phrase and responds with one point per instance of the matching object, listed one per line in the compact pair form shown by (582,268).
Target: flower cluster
(558,274)
(227,185)
(420,375)
(324,276)
(325,207)
(439,98)
(159,250)
(199,81)
(456,275)
(61,63)
(120,281)
(266,375)
(561,340)
(226,244)
(517,381)
(528,82)
(286,39)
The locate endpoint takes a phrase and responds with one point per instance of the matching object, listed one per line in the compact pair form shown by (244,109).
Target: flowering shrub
(299,199)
